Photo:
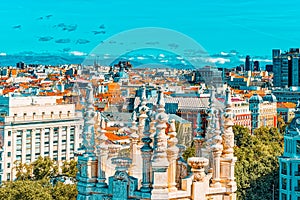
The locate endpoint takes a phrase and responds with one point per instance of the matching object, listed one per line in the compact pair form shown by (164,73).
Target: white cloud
(3,54)
(218,60)
(140,58)
(224,53)
(77,53)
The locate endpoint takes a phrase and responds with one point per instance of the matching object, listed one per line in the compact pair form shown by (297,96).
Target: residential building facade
(263,110)
(289,162)
(37,126)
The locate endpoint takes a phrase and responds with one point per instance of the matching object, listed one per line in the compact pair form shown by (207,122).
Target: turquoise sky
(252,27)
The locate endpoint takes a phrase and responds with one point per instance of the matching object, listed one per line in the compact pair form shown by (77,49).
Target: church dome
(270,98)
(255,99)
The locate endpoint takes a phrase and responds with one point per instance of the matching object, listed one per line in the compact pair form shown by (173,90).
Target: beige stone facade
(37,126)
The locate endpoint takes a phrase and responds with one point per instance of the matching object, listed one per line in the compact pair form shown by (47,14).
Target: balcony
(297,189)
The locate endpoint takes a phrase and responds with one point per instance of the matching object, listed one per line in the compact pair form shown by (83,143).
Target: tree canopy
(37,190)
(33,181)
(256,170)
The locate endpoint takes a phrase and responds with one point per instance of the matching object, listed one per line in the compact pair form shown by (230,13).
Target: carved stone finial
(198,164)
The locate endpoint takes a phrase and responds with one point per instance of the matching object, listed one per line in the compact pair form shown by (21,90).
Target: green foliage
(69,168)
(25,190)
(37,190)
(44,168)
(64,191)
(24,170)
(189,152)
(256,170)
(33,181)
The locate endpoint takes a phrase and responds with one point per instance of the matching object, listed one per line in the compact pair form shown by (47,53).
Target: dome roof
(270,98)
(255,99)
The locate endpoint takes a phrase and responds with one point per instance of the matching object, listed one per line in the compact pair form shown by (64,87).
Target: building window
(283,183)
(283,196)
(8,165)
(283,168)
(8,154)
(8,176)
(9,143)
(9,133)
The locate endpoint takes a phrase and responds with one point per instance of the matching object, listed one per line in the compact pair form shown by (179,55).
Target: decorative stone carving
(198,165)
(228,136)
(199,139)
(172,153)
(89,122)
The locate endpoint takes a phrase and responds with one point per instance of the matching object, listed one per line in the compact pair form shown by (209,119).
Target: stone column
(200,185)
(146,155)
(51,142)
(23,145)
(68,146)
(32,145)
(217,151)
(42,146)
(76,138)
(13,145)
(59,145)
(172,153)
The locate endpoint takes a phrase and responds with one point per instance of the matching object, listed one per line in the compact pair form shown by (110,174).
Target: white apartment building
(37,126)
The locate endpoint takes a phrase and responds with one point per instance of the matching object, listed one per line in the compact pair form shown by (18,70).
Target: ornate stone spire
(89,122)
(211,117)
(160,162)
(228,136)
(199,139)
(143,110)
(172,153)
(160,137)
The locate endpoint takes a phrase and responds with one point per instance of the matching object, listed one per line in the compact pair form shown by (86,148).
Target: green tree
(25,190)
(69,168)
(44,168)
(189,152)
(63,191)
(23,170)
(256,170)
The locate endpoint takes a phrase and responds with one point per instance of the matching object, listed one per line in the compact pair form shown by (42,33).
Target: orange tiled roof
(286,105)
(111,136)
